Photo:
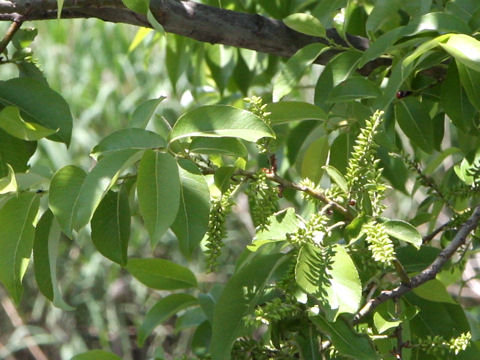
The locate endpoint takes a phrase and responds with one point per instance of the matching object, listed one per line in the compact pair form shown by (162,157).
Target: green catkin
(256,106)
(438,346)
(379,243)
(363,175)
(217,231)
(313,231)
(263,197)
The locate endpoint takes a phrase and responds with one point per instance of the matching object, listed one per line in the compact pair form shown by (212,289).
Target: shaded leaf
(12,123)
(221,146)
(45,254)
(402,230)
(16,240)
(191,222)
(39,104)
(470,81)
(286,111)
(305,23)
(96,355)
(352,89)
(111,226)
(161,274)
(162,311)
(158,188)
(14,152)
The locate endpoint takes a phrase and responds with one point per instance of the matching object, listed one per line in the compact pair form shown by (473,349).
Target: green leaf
(455,101)
(221,146)
(434,290)
(161,274)
(14,152)
(111,226)
(96,355)
(239,297)
(142,114)
(98,182)
(220,60)
(223,177)
(414,260)
(470,81)
(9,182)
(286,111)
(142,32)
(63,195)
(337,177)
(331,275)
(191,222)
(465,49)
(385,319)
(12,123)
(415,122)
(305,23)
(158,188)
(129,139)
(433,165)
(281,223)
(38,104)
(402,230)
(139,6)
(352,89)
(312,158)
(294,69)
(338,69)
(345,339)
(220,121)
(45,255)
(162,311)
(16,240)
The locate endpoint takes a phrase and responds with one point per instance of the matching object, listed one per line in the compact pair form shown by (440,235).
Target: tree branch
(197,21)
(429,273)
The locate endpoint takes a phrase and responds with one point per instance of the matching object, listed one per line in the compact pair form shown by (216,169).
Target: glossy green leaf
(63,195)
(402,230)
(191,222)
(12,122)
(331,275)
(39,104)
(14,152)
(220,121)
(294,69)
(221,146)
(455,101)
(45,255)
(239,298)
(337,177)
(161,274)
(305,23)
(16,240)
(353,89)
(434,290)
(139,6)
(470,82)
(158,188)
(98,182)
(96,355)
(338,69)
(415,122)
(111,226)
(345,339)
(384,319)
(162,311)
(142,114)
(415,260)
(9,182)
(465,49)
(286,111)
(129,139)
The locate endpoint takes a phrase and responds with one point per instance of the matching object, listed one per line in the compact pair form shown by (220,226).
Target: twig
(17,321)
(427,274)
(290,185)
(434,233)
(9,34)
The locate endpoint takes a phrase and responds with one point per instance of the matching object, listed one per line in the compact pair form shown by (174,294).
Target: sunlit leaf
(9,182)
(402,230)
(143,113)
(305,23)
(12,122)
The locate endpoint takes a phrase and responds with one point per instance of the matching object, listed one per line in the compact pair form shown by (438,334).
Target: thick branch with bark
(197,21)
(429,273)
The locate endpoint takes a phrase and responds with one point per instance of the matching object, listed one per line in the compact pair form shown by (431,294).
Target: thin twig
(9,34)
(427,274)
(426,239)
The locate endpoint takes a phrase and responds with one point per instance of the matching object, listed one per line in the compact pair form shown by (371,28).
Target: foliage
(266,205)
